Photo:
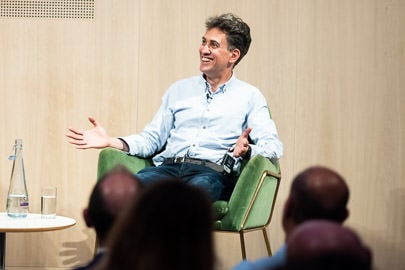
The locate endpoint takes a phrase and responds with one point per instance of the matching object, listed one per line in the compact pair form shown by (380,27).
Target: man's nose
(205,49)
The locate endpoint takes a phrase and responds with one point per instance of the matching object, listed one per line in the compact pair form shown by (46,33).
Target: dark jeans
(216,184)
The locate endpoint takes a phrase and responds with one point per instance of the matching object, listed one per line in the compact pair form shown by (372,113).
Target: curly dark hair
(236,30)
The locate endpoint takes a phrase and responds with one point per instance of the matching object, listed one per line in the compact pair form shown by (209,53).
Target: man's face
(215,58)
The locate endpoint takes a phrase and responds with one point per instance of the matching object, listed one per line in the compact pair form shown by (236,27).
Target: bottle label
(24,204)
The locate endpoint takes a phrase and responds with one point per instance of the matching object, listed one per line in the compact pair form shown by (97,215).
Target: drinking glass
(48,202)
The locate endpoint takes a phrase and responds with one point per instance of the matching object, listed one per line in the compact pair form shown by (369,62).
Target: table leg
(2,250)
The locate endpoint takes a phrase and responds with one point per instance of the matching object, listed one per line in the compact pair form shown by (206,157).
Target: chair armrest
(110,157)
(220,209)
(253,197)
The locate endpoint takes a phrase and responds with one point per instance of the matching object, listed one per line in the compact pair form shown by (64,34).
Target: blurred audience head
(326,245)
(169,226)
(316,193)
(111,195)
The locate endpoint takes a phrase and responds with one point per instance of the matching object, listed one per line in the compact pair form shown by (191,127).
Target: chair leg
(266,240)
(242,245)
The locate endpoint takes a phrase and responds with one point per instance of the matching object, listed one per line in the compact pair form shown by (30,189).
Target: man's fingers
(93,121)
(81,146)
(74,131)
(75,134)
(247,132)
(77,143)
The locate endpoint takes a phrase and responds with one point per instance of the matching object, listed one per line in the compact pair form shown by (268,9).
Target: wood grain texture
(332,72)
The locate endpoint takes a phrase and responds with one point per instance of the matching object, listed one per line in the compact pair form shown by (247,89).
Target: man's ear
(235,54)
(286,215)
(87,219)
(346,215)
(288,219)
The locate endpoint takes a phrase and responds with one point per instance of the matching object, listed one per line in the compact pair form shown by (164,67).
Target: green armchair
(250,206)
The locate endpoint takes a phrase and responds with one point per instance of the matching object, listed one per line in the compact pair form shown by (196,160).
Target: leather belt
(201,162)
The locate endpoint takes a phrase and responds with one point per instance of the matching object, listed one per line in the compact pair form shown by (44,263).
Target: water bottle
(17,197)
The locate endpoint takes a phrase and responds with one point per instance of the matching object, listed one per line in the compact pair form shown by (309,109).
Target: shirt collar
(221,88)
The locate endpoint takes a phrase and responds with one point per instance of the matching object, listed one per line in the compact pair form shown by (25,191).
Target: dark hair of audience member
(169,226)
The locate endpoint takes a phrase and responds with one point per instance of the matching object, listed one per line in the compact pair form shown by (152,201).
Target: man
(316,193)
(326,245)
(108,200)
(201,119)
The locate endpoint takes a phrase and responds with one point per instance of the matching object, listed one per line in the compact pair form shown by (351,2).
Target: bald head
(109,198)
(316,193)
(321,244)
(117,190)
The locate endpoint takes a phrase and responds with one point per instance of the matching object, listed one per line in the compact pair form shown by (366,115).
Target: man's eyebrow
(211,41)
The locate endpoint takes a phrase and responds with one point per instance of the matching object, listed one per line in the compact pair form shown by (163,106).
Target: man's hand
(242,144)
(92,138)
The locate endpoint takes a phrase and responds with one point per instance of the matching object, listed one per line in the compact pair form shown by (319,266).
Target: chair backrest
(253,198)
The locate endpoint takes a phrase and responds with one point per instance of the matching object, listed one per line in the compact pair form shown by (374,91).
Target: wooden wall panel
(332,72)
(385,217)
(348,110)
(53,74)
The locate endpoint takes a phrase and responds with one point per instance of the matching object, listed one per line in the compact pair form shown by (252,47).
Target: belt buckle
(179,159)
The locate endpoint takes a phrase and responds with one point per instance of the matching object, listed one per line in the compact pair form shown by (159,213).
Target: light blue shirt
(192,121)
(269,263)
